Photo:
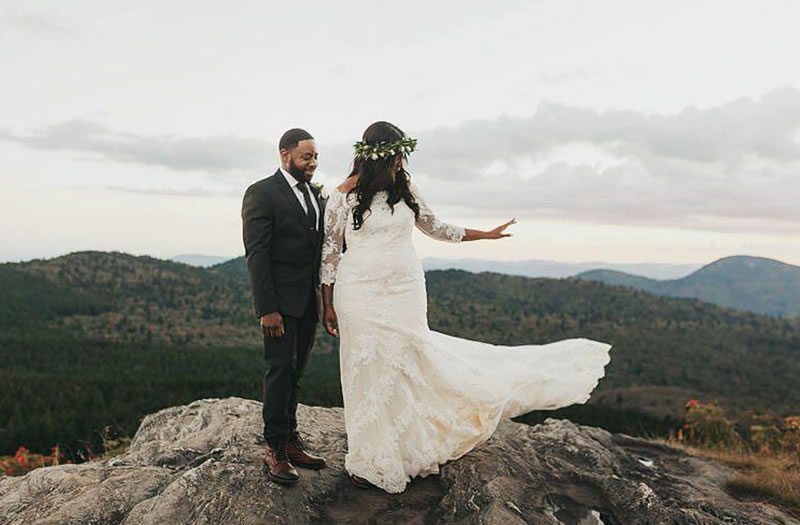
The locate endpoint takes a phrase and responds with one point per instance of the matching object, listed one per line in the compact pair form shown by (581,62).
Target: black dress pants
(286,359)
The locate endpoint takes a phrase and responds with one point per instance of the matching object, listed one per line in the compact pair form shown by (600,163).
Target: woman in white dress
(415,398)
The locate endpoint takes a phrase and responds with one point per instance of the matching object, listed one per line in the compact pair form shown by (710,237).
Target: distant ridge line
(756,284)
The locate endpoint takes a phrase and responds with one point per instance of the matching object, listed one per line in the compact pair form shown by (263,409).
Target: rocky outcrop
(201,463)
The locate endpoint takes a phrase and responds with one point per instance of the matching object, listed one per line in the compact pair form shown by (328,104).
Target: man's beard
(297,173)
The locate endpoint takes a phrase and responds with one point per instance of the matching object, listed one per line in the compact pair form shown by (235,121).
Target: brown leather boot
(299,456)
(280,468)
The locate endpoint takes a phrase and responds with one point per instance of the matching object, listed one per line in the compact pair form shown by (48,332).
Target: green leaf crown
(382,150)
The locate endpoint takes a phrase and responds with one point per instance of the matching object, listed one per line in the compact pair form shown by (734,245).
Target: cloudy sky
(615,130)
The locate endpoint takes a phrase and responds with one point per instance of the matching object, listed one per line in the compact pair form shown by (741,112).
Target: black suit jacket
(282,251)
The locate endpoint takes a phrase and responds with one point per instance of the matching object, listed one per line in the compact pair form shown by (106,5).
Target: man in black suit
(282,229)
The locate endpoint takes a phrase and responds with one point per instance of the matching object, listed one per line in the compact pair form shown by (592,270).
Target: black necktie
(310,211)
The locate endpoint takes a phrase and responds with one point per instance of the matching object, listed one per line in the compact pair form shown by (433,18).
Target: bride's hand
(498,233)
(330,322)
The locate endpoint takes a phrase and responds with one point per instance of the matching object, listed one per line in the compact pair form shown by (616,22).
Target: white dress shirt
(299,194)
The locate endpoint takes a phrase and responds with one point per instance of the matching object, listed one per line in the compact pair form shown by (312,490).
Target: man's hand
(271,324)
(330,322)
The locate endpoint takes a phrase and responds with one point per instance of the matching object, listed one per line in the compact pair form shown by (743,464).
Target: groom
(282,230)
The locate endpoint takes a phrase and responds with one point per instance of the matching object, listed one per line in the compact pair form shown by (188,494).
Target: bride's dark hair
(374,175)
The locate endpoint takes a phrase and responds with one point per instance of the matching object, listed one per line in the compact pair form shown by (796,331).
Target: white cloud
(210,154)
(729,167)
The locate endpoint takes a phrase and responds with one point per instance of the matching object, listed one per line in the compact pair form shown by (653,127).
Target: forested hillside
(98,339)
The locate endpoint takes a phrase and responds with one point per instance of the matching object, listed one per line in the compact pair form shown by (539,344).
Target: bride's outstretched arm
(494,233)
(335,220)
(431,226)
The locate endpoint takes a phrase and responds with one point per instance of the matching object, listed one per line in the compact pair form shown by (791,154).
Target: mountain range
(558,269)
(93,338)
(527,268)
(754,284)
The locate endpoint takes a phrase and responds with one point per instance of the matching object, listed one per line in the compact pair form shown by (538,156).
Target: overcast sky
(617,131)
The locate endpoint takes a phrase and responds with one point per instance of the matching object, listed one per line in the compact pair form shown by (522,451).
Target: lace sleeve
(433,227)
(335,220)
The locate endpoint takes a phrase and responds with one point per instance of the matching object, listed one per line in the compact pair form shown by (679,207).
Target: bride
(415,398)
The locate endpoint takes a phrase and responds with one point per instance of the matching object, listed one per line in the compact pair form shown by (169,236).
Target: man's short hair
(290,139)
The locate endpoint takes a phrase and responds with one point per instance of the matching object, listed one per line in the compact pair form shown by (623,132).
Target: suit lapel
(288,193)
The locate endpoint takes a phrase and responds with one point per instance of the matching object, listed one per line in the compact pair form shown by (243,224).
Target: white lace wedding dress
(415,398)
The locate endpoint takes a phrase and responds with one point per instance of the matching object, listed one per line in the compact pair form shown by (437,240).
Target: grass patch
(766,477)
(779,488)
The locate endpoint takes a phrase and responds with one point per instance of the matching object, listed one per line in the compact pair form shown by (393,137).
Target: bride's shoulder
(348,184)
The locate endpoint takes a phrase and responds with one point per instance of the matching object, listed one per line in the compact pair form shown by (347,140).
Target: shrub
(23,461)
(707,426)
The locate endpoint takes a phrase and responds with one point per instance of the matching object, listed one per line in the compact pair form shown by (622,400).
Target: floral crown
(384,149)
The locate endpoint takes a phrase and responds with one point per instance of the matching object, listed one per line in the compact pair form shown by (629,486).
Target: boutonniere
(320,190)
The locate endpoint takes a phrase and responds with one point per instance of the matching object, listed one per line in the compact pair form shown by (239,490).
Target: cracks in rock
(564,509)
(345,503)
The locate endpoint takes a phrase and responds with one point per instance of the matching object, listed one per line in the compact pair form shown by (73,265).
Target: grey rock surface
(202,464)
